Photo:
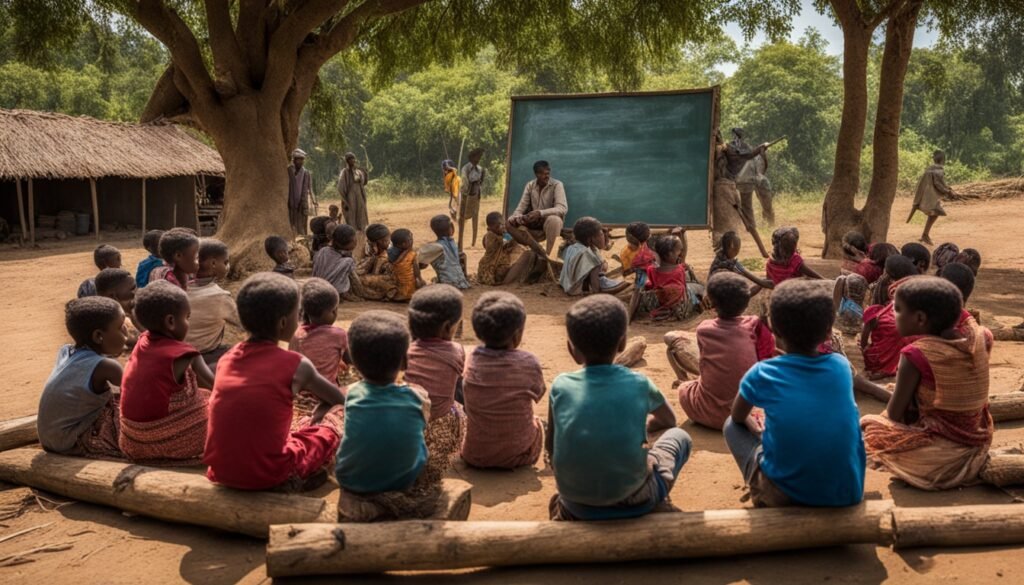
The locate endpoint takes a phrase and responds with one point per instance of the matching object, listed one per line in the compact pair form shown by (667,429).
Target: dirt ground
(107,546)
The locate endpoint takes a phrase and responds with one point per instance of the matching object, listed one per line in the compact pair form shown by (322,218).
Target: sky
(809,17)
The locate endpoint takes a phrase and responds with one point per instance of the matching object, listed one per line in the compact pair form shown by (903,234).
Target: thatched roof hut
(64,161)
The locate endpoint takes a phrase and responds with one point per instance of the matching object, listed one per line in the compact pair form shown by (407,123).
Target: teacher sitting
(540,214)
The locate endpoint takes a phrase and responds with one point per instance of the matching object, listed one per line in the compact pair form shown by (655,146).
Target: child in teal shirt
(599,420)
(810,452)
(383,447)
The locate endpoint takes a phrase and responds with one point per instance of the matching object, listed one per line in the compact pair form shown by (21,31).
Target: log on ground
(176,496)
(1004,469)
(18,432)
(321,549)
(957,526)
(1009,406)
(453,503)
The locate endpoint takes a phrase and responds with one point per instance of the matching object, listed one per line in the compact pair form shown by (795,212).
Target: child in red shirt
(319,339)
(880,342)
(671,289)
(636,256)
(163,408)
(785,262)
(250,444)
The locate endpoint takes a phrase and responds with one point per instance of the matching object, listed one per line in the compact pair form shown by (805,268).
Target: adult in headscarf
(352,189)
(300,193)
(472,187)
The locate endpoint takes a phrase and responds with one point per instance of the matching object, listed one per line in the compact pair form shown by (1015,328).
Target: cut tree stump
(1003,469)
(453,504)
(1009,406)
(18,432)
(958,526)
(322,549)
(165,494)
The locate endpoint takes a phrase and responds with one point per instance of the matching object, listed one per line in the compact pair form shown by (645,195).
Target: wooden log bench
(18,432)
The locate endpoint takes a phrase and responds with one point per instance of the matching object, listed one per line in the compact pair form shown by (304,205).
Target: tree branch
(344,32)
(166,101)
(227,54)
(301,18)
(891,8)
(251,32)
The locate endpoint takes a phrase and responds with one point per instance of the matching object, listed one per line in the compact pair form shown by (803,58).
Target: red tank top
(148,381)
(251,416)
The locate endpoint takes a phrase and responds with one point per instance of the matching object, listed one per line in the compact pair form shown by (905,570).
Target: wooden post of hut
(143,205)
(31,213)
(95,208)
(21,210)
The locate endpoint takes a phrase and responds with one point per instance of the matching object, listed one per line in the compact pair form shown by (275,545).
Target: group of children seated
(778,386)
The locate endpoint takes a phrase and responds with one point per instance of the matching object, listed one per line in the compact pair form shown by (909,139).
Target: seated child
(936,431)
(444,255)
(880,342)
(501,385)
(404,265)
(971,258)
(78,411)
(727,258)
(318,230)
(383,447)
(811,452)
(600,417)
(374,280)
(919,255)
(333,212)
(179,247)
(163,408)
(334,263)
(963,279)
(855,250)
(848,298)
(728,346)
(151,242)
(277,248)
(118,284)
(435,363)
(670,289)
(212,306)
(250,444)
(583,271)
(636,256)
(503,261)
(319,339)
(785,261)
(873,266)
(104,256)
(943,255)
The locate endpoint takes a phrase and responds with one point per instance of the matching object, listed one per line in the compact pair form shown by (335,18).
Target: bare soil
(107,546)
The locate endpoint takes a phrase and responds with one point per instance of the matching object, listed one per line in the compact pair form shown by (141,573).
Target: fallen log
(958,526)
(18,432)
(321,549)
(1003,469)
(1009,406)
(453,504)
(165,494)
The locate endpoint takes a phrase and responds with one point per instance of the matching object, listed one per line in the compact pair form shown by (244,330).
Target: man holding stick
(729,160)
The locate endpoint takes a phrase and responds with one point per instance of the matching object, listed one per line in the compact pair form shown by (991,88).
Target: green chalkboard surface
(622,157)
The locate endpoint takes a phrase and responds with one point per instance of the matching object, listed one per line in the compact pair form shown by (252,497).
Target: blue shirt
(599,416)
(146,265)
(447,267)
(383,448)
(812,445)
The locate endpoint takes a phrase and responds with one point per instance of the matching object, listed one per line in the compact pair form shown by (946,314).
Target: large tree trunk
(899,39)
(838,212)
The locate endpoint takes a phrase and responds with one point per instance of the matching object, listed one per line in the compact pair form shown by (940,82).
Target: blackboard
(622,157)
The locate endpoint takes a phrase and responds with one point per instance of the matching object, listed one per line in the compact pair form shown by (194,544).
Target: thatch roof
(55,146)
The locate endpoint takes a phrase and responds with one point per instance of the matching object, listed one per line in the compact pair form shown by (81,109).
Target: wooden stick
(143,206)
(26,531)
(176,496)
(18,432)
(958,526)
(1009,406)
(95,208)
(21,210)
(320,549)
(31,213)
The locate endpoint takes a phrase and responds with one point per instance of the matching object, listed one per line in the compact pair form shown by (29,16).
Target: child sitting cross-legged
(963,279)
(727,259)
(503,261)
(146,266)
(880,341)
(250,444)
(404,265)
(444,255)
(383,457)
(118,284)
(599,419)
(671,289)
(78,410)
(179,248)
(848,299)
(944,254)
(583,271)
(319,339)
(435,363)
(919,255)
(936,431)
(501,385)
(374,279)
(277,248)
(334,263)
(785,261)
(810,452)
(213,309)
(636,256)
(970,258)
(163,408)
(104,256)
(728,346)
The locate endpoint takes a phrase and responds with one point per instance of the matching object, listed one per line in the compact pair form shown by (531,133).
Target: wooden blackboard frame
(715,94)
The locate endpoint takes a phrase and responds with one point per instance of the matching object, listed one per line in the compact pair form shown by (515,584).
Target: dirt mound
(997,189)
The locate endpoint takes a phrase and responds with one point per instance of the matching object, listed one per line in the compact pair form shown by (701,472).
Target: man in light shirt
(540,214)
